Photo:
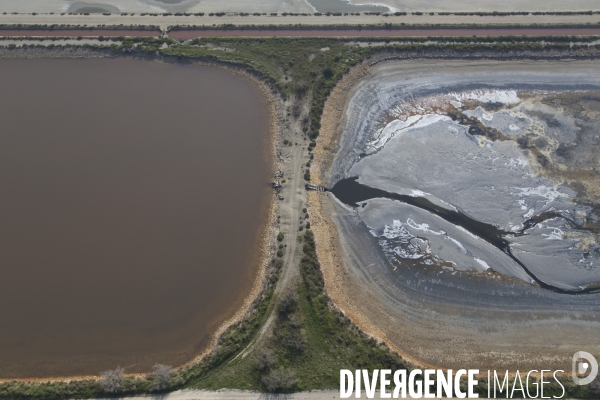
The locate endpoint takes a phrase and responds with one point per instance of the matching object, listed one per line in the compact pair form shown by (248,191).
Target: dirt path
(292,198)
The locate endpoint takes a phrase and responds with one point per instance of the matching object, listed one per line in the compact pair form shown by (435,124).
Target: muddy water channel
(132,198)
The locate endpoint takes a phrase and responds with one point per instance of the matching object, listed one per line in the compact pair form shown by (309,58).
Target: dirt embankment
(337,278)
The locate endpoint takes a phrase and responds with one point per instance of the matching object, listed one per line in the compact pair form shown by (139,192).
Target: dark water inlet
(352,193)
(132,197)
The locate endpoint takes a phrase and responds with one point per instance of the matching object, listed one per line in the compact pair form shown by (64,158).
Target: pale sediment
(458,323)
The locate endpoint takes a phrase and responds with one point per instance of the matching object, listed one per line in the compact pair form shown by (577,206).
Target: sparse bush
(264,359)
(277,263)
(280,380)
(293,338)
(112,380)
(162,375)
(289,301)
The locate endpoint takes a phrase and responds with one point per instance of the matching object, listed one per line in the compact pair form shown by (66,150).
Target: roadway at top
(296,6)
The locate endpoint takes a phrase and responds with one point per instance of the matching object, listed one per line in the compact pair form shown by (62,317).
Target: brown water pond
(132,195)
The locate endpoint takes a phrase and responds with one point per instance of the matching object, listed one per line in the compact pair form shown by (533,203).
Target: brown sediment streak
(264,243)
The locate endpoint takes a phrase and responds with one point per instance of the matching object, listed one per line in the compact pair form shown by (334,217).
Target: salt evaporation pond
(465,197)
(133,197)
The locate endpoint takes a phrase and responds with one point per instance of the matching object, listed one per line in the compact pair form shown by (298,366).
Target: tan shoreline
(327,240)
(265,240)
(267,237)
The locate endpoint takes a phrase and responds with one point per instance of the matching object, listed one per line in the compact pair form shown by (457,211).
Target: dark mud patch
(352,193)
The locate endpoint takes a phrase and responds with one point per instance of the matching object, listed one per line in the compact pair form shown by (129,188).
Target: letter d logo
(581,367)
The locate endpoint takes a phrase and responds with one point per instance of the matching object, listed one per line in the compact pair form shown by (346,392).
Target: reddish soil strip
(191,34)
(78,32)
